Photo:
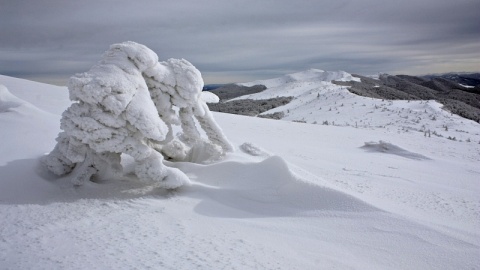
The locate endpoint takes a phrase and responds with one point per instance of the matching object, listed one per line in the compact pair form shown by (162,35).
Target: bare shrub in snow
(127,103)
(253,150)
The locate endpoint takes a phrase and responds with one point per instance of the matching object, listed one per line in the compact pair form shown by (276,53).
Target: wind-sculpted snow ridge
(281,192)
(7,100)
(127,103)
(28,118)
(52,98)
(10,103)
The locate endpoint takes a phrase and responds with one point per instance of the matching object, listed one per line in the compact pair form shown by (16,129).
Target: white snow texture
(295,195)
(127,103)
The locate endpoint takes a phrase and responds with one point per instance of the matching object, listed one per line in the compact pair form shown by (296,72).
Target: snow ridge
(308,75)
(7,100)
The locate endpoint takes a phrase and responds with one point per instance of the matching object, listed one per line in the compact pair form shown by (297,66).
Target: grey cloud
(243,39)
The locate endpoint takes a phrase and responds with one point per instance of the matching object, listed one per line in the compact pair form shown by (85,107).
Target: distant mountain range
(458,99)
(209,87)
(467,79)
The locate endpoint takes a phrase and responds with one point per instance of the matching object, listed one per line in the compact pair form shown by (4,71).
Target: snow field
(292,196)
(415,188)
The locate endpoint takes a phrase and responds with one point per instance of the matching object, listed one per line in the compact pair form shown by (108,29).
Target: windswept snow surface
(293,196)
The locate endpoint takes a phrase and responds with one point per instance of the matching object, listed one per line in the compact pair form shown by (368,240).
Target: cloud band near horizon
(239,41)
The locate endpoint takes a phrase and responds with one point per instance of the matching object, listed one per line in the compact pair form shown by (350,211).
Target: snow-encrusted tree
(127,103)
(178,84)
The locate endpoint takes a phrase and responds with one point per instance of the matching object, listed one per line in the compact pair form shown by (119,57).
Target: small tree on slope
(126,104)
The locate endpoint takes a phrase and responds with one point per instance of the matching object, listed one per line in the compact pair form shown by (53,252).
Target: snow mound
(266,188)
(46,97)
(209,97)
(11,103)
(7,100)
(29,121)
(388,148)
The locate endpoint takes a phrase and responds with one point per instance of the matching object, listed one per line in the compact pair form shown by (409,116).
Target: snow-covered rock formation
(127,103)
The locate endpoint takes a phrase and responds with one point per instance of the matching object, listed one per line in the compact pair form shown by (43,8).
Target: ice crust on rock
(127,103)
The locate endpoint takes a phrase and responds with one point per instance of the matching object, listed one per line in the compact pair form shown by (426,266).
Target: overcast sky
(244,40)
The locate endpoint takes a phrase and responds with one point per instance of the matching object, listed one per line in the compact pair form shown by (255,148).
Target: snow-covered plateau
(370,190)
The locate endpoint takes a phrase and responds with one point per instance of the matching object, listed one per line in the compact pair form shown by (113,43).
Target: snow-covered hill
(292,196)
(311,75)
(319,101)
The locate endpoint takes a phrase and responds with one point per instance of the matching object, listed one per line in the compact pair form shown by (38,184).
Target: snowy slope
(318,101)
(49,98)
(293,196)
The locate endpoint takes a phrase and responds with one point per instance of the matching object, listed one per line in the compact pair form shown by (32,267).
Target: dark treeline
(456,98)
(249,107)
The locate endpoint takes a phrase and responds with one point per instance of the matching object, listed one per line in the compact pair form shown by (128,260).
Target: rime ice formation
(127,103)
(177,83)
